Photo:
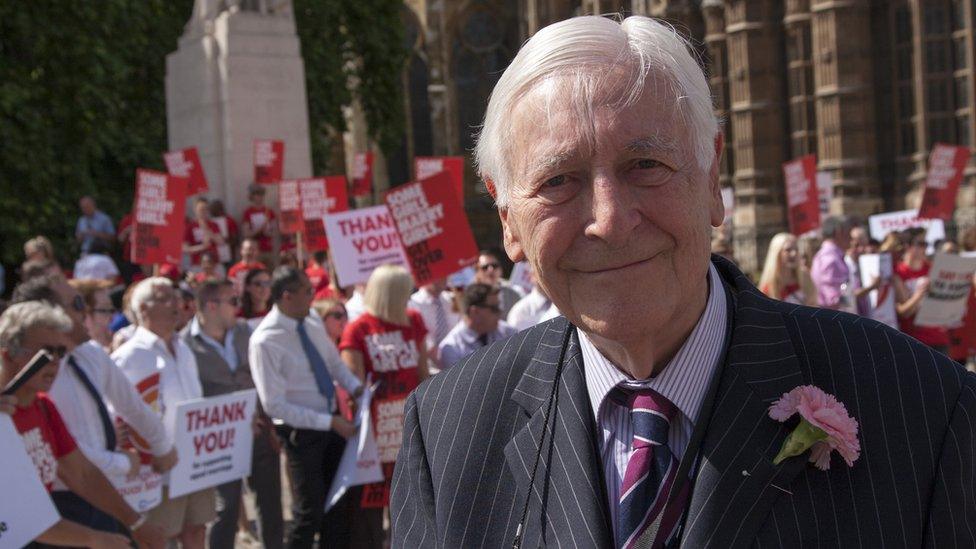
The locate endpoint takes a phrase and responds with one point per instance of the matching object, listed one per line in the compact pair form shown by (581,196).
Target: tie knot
(650,413)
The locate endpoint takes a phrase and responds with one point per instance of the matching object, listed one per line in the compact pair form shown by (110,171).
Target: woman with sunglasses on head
(387,343)
(911,283)
(256,296)
(99,310)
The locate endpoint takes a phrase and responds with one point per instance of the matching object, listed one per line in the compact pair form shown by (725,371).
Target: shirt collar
(685,379)
(148,337)
(197,331)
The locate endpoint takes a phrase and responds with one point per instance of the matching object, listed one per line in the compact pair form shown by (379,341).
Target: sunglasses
(337,315)
(489,266)
(103,311)
(493,308)
(261,283)
(233,301)
(56,351)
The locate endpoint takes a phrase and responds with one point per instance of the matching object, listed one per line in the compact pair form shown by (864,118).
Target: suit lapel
(568,498)
(737,484)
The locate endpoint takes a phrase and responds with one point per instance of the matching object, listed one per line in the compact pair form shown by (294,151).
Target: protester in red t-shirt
(124,237)
(201,234)
(258,219)
(318,274)
(25,330)
(249,261)
(228,230)
(256,296)
(387,343)
(911,286)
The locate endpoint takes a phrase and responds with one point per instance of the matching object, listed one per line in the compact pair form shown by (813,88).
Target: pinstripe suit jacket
(471,435)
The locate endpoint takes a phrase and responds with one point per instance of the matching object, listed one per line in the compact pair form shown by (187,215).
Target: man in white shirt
(294,364)
(481,325)
(157,361)
(436,307)
(530,309)
(96,264)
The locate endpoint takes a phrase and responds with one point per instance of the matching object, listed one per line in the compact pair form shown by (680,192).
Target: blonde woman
(784,276)
(387,343)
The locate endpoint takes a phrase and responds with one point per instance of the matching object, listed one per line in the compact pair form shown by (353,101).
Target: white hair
(143,293)
(18,318)
(591,50)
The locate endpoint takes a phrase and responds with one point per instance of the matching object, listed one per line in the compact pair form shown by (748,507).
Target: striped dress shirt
(683,381)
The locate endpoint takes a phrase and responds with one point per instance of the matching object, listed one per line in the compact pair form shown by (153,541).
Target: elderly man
(642,417)
(829,270)
(162,367)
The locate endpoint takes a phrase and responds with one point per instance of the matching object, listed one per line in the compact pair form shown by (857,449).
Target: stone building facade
(867,85)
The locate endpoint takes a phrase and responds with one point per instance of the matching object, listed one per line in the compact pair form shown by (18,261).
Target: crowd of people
(824,271)
(233,316)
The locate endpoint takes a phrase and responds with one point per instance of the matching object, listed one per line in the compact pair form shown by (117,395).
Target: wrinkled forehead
(572,114)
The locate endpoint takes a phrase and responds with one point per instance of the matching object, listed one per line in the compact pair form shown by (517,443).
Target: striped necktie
(651,472)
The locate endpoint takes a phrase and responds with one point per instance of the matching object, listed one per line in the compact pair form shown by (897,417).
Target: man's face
(296,304)
(74,306)
(484,318)
(163,310)
(249,251)
(489,270)
(223,310)
(859,241)
(257,199)
(87,206)
(35,339)
(616,220)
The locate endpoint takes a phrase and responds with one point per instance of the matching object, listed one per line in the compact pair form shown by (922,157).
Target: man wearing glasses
(219,342)
(88,386)
(489,271)
(481,325)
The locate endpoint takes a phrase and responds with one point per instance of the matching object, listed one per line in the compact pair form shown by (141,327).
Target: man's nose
(613,210)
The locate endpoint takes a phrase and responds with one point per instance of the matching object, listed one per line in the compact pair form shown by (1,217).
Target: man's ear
(510,236)
(716,207)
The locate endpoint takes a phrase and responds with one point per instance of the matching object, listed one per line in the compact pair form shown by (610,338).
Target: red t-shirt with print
(391,355)
(45,436)
(929,335)
(260,219)
(193,235)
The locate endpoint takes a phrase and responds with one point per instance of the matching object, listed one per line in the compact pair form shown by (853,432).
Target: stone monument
(236,76)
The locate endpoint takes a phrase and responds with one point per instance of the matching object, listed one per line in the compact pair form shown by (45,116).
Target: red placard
(433,227)
(289,208)
(269,160)
(158,218)
(802,197)
(362,174)
(946,164)
(186,164)
(426,166)
(321,196)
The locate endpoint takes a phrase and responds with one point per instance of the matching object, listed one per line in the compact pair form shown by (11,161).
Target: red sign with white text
(426,166)
(802,197)
(362,174)
(433,227)
(158,218)
(321,196)
(186,164)
(289,208)
(269,160)
(946,165)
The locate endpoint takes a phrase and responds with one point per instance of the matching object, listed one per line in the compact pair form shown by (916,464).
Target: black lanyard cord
(551,403)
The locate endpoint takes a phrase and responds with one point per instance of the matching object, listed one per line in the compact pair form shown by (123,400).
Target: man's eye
(555,181)
(646,164)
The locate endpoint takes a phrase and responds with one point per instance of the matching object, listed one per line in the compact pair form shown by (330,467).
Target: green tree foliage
(352,49)
(82,98)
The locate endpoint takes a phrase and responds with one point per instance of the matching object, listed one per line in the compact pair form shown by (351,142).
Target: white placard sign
(213,438)
(360,463)
(362,240)
(825,192)
(882,224)
(26,510)
(882,300)
(950,279)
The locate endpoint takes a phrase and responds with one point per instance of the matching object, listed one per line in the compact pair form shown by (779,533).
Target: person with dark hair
(258,221)
(489,271)
(911,283)
(480,326)
(99,310)
(250,251)
(829,271)
(228,232)
(219,340)
(38,267)
(255,296)
(294,365)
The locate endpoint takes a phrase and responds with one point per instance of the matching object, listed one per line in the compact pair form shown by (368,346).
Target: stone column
(756,88)
(236,76)
(843,76)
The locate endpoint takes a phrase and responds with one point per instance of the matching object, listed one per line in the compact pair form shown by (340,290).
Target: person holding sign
(26,329)
(258,221)
(783,276)
(294,367)
(202,233)
(911,285)
(219,341)
(158,361)
(387,343)
(90,391)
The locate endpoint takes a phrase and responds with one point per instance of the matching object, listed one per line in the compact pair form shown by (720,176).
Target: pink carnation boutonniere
(824,426)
